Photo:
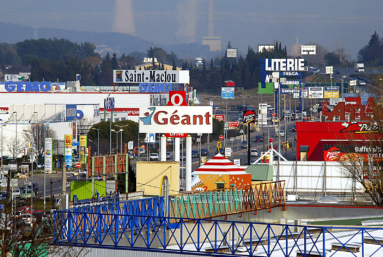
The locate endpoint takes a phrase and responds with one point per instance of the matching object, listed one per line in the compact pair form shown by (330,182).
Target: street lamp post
(117,138)
(341,87)
(98,140)
(121,130)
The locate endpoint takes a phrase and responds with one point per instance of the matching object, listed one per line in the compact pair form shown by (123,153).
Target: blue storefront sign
(71,111)
(21,86)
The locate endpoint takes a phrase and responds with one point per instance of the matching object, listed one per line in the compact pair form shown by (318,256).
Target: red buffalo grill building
(332,140)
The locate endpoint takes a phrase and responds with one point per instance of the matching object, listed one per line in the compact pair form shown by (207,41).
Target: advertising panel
(159,99)
(176,119)
(231,52)
(331,92)
(351,153)
(248,116)
(48,155)
(232,124)
(227,92)
(315,92)
(177,98)
(220,117)
(151,76)
(83,147)
(11,77)
(70,111)
(68,150)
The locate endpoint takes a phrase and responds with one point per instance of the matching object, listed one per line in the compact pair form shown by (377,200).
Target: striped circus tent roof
(219,164)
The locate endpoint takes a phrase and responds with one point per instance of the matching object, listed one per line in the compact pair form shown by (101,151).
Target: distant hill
(106,42)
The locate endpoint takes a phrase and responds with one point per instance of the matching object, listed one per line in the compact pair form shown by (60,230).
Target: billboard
(227,92)
(176,119)
(232,52)
(219,117)
(315,92)
(288,64)
(48,155)
(309,50)
(68,150)
(151,76)
(262,48)
(83,148)
(331,92)
(12,77)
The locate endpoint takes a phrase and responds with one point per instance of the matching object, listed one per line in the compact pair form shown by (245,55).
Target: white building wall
(310,176)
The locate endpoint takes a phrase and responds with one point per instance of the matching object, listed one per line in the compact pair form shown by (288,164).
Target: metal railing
(218,237)
(228,201)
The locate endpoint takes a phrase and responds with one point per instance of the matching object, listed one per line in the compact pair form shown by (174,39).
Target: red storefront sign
(182,135)
(233,124)
(219,117)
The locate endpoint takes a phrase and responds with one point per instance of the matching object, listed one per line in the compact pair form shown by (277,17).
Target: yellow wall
(152,173)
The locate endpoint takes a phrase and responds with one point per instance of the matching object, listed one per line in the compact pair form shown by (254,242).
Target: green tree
(332,59)
(114,62)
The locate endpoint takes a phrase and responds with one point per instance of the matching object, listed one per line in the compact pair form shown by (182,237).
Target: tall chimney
(211,17)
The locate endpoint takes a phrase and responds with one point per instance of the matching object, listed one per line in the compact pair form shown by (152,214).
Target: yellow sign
(83,146)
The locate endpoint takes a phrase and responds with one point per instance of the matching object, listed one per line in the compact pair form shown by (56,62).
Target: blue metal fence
(217,237)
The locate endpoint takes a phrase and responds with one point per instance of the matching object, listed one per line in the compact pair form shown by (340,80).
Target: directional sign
(220,137)
(2,208)
(130,145)
(232,139)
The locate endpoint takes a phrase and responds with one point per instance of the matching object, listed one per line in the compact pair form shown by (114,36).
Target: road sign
(110,103)
(232,139)
(2,208)
(241,131)
(273,114)
(227,152)
(220,137)
(58,201)
(237,162)
(130,145)
(78,165)
(181,135)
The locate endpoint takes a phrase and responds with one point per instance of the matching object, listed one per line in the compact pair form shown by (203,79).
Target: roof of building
(260,172)
(221,165)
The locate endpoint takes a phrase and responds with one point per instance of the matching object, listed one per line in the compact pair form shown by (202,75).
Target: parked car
(27,218)
(258,139)
(3,196)
(294,129)
(195,154)
(252,162)
(254,152)
(204,152)
(35,188)
(27,193)
(168,155)
(154,157)
(221,150)
(275,119)
(40,166)
(362,83)
(244,144)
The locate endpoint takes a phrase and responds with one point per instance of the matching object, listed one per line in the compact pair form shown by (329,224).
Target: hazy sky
(243,22)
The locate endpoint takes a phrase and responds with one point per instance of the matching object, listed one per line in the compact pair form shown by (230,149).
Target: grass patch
(347,222)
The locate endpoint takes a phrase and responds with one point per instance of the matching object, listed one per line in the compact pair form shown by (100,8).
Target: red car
(27,209)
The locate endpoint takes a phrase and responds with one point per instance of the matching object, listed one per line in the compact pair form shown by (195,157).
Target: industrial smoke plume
(123,19)
(187,20)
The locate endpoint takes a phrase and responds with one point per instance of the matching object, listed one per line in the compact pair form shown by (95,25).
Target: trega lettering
(44,86)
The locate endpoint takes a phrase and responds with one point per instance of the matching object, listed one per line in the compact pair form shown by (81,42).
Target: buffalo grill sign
(176,119)
(248,116)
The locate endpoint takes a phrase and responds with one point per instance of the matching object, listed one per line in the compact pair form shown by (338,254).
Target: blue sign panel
(71,111)
(28,86)
(155,87)
(365,98)
(228,92)
(349,95)
(109,103)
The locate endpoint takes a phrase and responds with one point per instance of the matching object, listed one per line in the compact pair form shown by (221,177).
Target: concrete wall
(149,176)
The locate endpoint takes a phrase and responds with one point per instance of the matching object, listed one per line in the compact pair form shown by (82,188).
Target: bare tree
(15,147)
(21,238)
(362,156)
(36,134)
